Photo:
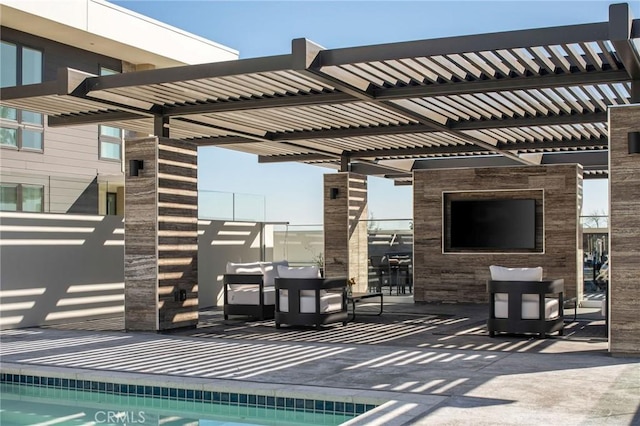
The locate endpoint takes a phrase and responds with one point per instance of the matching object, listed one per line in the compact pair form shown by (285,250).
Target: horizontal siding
(67,151)
(80,138)
(62,169)
(26,179)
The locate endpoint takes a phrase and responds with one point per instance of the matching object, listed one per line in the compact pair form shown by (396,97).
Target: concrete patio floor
(422,364)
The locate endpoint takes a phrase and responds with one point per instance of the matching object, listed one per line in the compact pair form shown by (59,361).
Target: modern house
(69,181)
(519,115)
(77,169)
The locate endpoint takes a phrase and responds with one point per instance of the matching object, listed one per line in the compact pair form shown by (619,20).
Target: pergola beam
(295,157)
(373,169)
(243,137)
(253,104)
(98,118)
(589,159)
(502,85)
(596,117)
(463,44)
(560,144)
(188,72)
(413,152)
(621,25)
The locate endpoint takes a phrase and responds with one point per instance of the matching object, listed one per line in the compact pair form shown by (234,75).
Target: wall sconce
(333,193)
(135,166)
(633,139)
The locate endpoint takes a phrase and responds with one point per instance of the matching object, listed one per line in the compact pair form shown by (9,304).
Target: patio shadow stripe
(193,358)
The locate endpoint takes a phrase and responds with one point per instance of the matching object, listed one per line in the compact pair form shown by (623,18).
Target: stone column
(624,233)
(161,235)
(345,233)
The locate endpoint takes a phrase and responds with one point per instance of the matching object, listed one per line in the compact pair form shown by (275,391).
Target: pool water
(22,404)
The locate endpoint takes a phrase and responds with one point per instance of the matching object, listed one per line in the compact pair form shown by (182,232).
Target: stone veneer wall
(161,235)
(461,277)
(624,232)
(345,233)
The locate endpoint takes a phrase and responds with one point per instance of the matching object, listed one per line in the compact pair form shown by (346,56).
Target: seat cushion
(529,309)
(270,271)
(245,294)
(244,268)
(301,272)
(329,302)
(500,273)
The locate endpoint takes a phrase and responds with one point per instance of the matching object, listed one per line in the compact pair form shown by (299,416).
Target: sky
(293,192)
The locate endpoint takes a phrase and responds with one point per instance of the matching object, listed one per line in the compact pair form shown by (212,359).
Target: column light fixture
(135,166)
(633,139)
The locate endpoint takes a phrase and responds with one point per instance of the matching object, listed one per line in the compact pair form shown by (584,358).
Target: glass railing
(217,205)
(595,221)
(105,195)
(301,245)
(595,246)
(390,254)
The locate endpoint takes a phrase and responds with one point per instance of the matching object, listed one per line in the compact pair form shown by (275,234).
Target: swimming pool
(33,399)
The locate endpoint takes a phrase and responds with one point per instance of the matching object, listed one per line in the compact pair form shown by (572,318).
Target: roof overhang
(437,103)
(96,26)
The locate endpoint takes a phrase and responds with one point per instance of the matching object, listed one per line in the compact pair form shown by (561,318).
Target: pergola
(531,97)
(536,96)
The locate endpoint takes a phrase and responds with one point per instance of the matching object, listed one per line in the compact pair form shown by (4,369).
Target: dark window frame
(19,187)
(107,138)
(19,124)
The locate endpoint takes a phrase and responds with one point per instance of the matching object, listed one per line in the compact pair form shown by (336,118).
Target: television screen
(493,224)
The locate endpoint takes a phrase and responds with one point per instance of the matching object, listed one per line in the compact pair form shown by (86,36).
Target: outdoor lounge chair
(249,289)
(380,269)
(303,298)
(521,301)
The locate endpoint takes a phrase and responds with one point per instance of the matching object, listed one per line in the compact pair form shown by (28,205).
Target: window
(110,143)
(20,129)
(8,197)
(21,197)
(110,137)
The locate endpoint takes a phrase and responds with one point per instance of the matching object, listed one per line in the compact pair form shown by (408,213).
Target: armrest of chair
(243,279)
(293,284)
(548,286)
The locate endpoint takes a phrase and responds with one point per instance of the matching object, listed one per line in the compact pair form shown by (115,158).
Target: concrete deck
(425,364)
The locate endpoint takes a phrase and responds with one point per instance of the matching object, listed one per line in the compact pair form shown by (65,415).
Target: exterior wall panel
(141,246)
(57,269)
(461,277)
(624,223)
(161,236)
(345,234)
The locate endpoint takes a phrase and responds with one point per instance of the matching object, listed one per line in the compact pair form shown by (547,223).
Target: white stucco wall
(102,27)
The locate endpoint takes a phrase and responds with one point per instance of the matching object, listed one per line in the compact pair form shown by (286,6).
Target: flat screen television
(503,224)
